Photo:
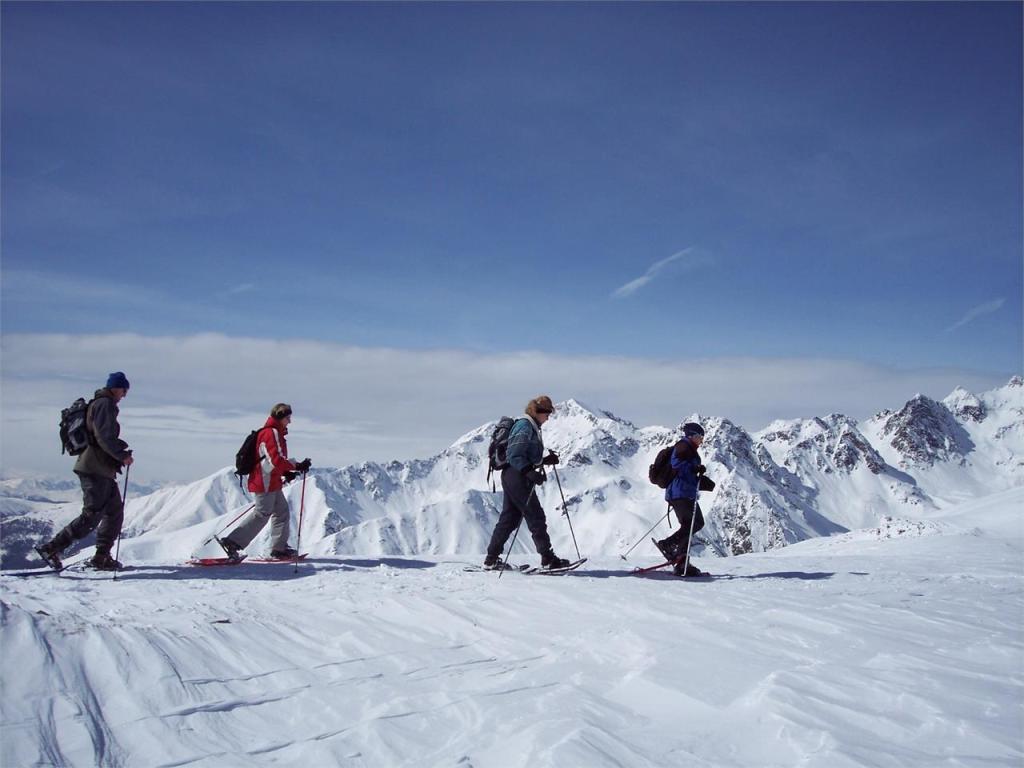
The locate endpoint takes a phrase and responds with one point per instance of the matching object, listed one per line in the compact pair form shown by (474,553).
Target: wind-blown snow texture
(898,640)
(892,647)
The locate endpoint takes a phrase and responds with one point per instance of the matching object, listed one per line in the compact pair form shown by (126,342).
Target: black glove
(303,466)
(706,483)
(535,477)
(700,469)
(550,459)
(289,476)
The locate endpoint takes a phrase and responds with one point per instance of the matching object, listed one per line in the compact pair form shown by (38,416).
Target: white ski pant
(269,506)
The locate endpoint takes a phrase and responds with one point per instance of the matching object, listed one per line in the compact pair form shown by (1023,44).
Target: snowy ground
(900,647)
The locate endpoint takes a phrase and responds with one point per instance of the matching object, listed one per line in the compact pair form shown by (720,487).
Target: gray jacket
(107,451)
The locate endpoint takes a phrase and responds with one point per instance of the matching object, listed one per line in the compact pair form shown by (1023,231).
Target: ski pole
(302,508)
(649,532)
(218,533)
(565,511)
(693,519)
(514,536)
(502,569)
(124,502)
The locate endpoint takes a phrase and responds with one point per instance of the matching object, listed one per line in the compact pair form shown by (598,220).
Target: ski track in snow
(846,652)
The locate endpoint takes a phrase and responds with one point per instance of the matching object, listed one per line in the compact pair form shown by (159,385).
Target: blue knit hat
(117,380)
(692,429)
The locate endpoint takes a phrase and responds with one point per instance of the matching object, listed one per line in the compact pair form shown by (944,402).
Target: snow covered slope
(792,481)
(893,647)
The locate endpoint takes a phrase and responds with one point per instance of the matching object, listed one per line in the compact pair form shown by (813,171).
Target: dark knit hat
(281,411)
(117,380)
(692,429)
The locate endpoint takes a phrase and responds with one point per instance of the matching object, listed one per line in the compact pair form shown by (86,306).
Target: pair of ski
(214,561)
(82,567)
(200,561)
(667,564)
(530,570)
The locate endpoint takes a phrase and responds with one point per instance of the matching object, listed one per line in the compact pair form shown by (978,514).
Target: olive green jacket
(107,451)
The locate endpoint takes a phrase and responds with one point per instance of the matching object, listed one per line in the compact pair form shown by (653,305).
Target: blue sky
(662,182)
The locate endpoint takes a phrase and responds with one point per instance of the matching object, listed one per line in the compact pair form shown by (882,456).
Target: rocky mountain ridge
(793,480)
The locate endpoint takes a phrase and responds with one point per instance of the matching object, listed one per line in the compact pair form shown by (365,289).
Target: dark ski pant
(520,502)
(102,507)
(684,509)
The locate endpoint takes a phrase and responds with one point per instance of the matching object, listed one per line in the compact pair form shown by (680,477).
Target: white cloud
(688,257)
(194,398)
(973,314)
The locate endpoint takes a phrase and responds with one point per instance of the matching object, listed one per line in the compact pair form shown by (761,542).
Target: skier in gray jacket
(97,467)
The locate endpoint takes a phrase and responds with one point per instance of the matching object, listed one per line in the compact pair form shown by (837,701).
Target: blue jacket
(684,486)
(525,445)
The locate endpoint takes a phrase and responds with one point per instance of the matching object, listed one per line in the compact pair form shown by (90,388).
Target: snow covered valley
(895,646)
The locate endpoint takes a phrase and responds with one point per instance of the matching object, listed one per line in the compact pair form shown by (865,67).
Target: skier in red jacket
(273,469)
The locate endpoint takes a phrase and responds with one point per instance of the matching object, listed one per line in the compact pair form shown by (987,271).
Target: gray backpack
(74,429)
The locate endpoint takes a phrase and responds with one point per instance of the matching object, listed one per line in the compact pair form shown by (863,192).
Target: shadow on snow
(667,575)
(242,571)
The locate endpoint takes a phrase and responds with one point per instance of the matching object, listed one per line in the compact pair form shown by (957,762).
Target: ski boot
(496,564)
(668,549)
(551,562)
(102,561)
(231,549)
(691,570)
(50,556)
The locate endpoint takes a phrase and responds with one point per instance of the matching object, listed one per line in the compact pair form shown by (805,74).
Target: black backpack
(74,429)
(660,472)
(246,459)
(499,445)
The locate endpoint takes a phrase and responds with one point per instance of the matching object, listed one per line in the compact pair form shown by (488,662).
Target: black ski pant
(101,506)
(520,502)
(685,510)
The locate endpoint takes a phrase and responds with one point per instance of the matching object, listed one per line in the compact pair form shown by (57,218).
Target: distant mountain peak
(925,431)
(573,407)
(965,405)
(830,443)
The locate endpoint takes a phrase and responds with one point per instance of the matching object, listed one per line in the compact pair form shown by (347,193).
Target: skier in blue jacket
(522,475)
(682,497)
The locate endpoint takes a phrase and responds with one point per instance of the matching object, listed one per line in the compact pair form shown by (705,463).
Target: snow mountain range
(794,480)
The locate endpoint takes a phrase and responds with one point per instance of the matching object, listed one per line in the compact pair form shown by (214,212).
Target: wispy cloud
(688,257)
(28,287)
(241,288)
(973,314)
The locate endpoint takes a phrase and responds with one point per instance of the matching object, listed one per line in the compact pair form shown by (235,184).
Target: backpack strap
(89,428)
(688,451)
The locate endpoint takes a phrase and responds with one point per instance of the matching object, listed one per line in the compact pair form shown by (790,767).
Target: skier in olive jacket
(97,467)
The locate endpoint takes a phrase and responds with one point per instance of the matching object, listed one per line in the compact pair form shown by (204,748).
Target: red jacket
(273,461)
